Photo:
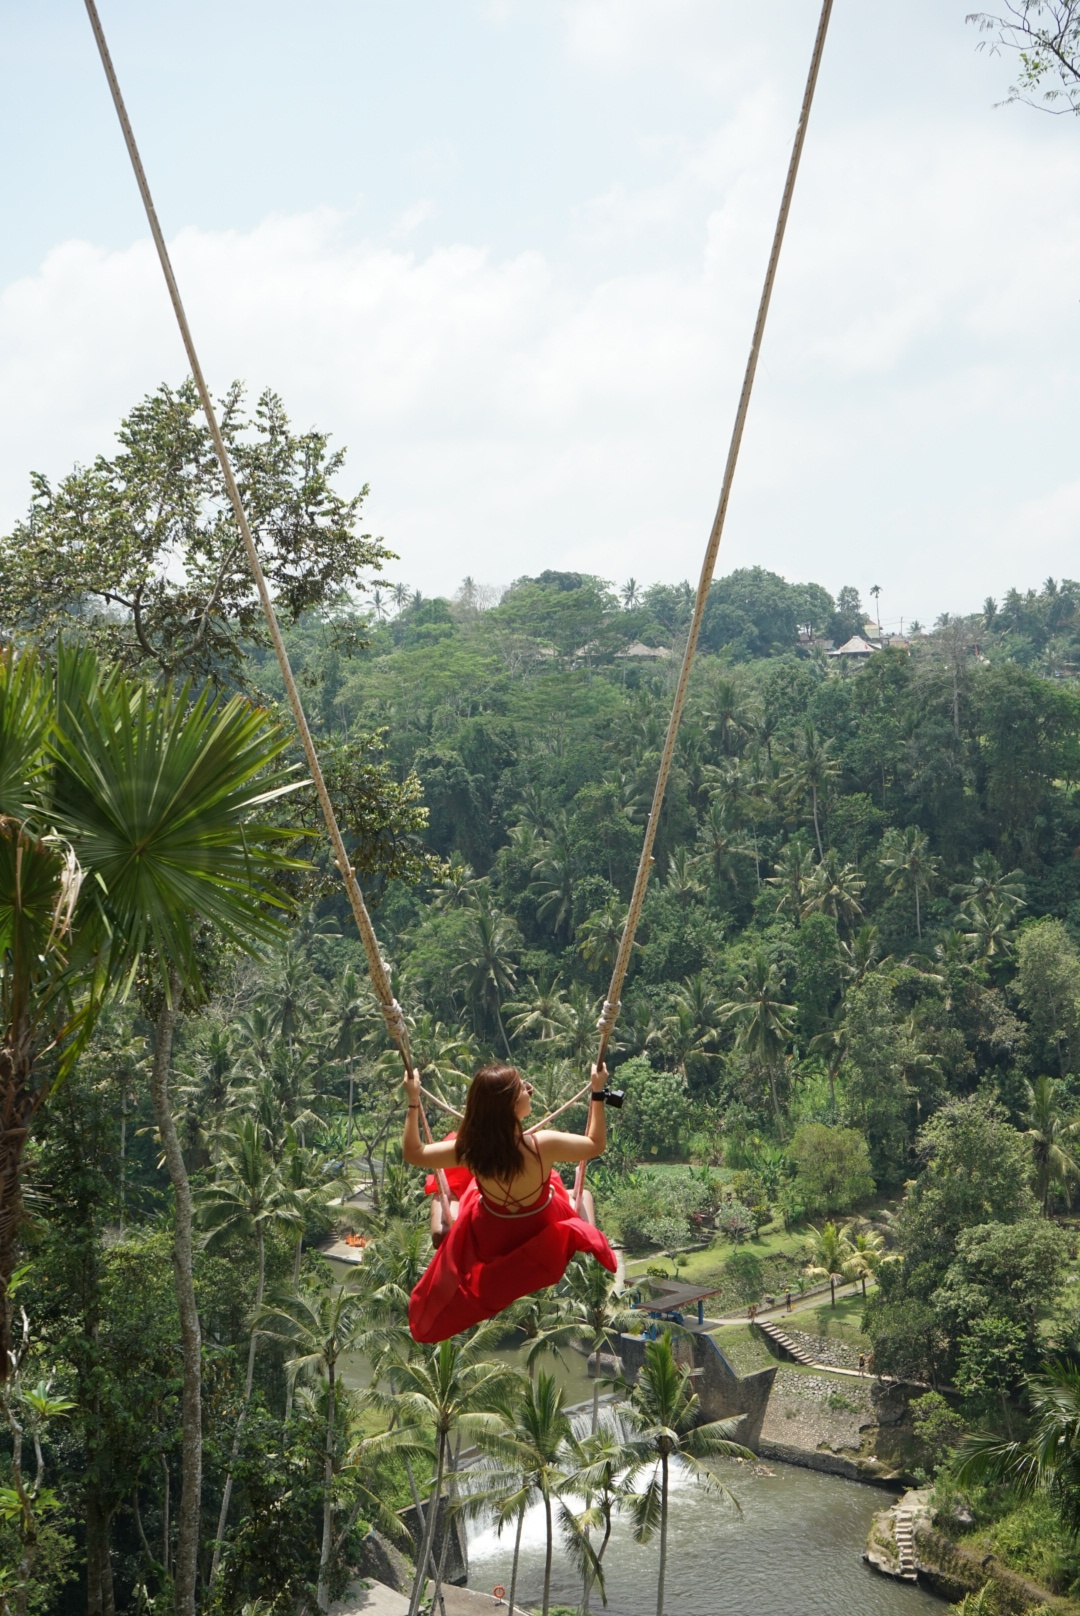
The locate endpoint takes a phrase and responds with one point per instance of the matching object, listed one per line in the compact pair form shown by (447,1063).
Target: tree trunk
(323,1593)
(429,1527)
(187,1542)
(226,1497)
(547,1555)
(918,914)
(16,1111)
(817,827)
(663,1534)
(832,1288)
(517,1552)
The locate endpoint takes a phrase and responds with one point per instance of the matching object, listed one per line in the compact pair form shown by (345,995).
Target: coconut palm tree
(595,1314)
(792,874)
(1053,1136)
(601,1472)
(763,1018)
(488,968)
(248,1196)
(532,1446)
(990,885)
(722,849)
(555,884)
(867,1252)
(682,879)
(809,773)
(451,1390)
(630,594)
(829,1256)
(663,1414)
(577,1024)
(834,889)
(320,1327)
(600,935)
(536,1012)
(908,865)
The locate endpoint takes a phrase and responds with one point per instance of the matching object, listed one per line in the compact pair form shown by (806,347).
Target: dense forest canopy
(855,991)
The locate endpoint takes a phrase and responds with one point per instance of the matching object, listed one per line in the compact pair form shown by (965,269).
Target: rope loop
(394,1016)
(609,1015)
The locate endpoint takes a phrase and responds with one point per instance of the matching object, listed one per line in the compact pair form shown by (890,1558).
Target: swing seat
(491,1259)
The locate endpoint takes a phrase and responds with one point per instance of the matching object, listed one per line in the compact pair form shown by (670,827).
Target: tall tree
(141,552)
(664,1416)
(763,1019)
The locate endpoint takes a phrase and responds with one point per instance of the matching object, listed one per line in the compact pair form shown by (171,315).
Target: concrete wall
(722,1391)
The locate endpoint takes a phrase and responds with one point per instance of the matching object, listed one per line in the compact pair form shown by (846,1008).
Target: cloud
(513,412)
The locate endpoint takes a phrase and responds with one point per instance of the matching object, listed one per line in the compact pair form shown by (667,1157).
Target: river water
(792,1549)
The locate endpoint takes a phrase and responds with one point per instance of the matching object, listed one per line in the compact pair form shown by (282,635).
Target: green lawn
(842,1322)
(744,1348)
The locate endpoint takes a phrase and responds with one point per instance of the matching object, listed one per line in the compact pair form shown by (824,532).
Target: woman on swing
(515,1229)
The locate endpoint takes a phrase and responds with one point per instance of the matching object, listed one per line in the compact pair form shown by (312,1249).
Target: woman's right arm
(413,1149)
(557,1147)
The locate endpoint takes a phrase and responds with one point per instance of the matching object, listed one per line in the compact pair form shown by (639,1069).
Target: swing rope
(380,976)
(610,1013)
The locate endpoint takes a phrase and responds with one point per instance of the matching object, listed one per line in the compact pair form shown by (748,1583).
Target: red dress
(456,1177)
(491,1258)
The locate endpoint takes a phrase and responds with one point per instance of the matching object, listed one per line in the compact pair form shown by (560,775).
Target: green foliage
(140,552)
(937,1426)
(745,1273)
(832,1168)
(655,1113)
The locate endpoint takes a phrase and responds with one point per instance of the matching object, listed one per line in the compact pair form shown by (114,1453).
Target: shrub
(655,1113)
(736,1221)
(746,1275)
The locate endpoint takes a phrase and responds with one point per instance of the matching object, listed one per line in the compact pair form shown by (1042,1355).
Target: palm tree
(728,717)
(663,1414)
(867,1253)
(601,1473)
(859,955)
(597,1315)
(693,1023)
(682,877)
(991,885)
(555,885)
(721,848)
(631,594)
(321,1326)
(600,935)
(1047,1460)
(763,1018)
(810,771)
(793,870)
(536,1013)
(908,865)
(457,885)
(834,889)
(247,1197)
(401,595)
(577,1024)
(162,800)
(1053,1140)
(829,1256)
(487,969)
(451,1390)
(532,1446)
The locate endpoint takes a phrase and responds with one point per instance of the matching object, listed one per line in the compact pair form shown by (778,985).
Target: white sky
(508,252)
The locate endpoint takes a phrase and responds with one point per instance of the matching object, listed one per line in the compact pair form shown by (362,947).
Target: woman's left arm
(415,1152)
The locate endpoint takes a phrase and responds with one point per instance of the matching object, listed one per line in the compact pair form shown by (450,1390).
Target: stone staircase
(904,1529)
(783,1343)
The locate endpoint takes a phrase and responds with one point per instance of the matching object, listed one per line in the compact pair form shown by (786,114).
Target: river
(792,1549)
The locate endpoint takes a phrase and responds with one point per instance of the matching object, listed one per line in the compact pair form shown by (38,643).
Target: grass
(840,1323)
(744,1348)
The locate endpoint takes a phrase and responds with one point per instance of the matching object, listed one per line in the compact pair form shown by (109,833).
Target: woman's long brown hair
(489,1136)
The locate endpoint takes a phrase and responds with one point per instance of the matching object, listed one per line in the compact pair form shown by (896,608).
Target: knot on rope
(609,1015)
(394,1016)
